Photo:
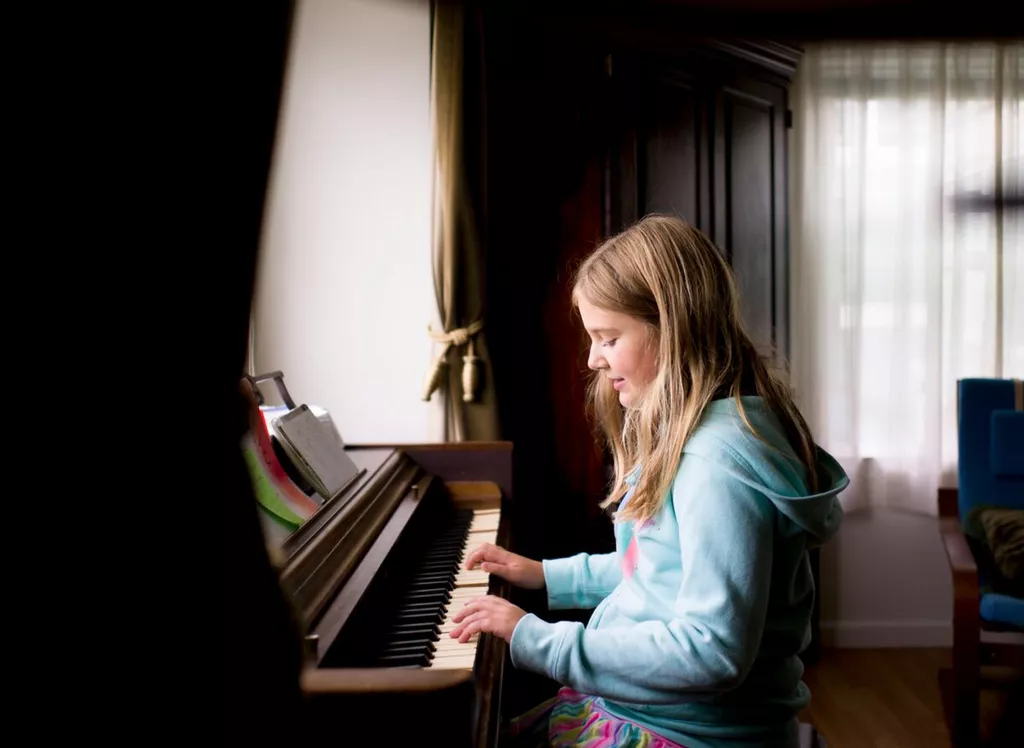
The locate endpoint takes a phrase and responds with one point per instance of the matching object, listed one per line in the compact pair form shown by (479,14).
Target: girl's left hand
(490,614)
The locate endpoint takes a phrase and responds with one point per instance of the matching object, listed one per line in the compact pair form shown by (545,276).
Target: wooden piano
(375,577)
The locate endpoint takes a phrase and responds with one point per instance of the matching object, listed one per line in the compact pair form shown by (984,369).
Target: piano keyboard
(419,631)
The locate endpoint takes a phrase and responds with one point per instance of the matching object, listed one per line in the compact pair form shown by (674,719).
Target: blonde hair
(669,275)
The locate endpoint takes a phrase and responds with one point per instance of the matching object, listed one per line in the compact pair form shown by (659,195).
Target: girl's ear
(654,342)
(653,338)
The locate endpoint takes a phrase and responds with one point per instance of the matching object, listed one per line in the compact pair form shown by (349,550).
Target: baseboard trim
(882,634)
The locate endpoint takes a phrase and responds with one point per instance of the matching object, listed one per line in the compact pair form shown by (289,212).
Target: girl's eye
(609,343)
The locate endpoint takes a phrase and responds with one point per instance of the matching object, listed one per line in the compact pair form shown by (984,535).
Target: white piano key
(449,653)
(456,662)
(484,523)
(472,578)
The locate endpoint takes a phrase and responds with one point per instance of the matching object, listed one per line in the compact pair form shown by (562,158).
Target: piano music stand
(278,378)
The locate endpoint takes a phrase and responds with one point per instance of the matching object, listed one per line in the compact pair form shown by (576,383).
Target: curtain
(459,375)
(907,254)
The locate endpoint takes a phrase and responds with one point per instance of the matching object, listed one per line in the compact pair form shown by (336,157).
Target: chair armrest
(961,560)
(949,498)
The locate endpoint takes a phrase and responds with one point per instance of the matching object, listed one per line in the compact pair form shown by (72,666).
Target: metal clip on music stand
(278,378)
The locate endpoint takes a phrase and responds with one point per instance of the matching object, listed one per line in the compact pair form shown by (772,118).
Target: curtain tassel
(462,336)
(470,375)
(437,375)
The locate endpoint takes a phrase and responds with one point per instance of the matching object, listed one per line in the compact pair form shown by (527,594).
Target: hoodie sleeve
(580,581)
(710,641)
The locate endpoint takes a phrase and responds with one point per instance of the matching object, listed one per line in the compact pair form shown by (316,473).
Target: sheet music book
(317,449)
(285,507)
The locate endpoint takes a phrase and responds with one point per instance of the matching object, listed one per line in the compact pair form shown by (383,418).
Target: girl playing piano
(703,609)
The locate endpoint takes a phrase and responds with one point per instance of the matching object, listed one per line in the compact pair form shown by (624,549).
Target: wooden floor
(890,698)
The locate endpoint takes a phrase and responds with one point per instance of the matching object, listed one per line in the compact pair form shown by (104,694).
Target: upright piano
(375,576)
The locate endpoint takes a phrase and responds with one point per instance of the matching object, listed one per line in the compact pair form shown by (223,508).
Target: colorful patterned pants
(574,720)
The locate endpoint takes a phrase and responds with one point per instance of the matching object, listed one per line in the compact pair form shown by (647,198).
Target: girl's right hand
(520,571)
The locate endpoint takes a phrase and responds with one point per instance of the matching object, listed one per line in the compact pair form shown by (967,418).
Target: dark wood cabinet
(700,137)
(702,134)
(588,128)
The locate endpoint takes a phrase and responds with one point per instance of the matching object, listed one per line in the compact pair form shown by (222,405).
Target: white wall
(886,583)
(345,291)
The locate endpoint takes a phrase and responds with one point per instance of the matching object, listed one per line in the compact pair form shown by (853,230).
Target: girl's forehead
(597,319)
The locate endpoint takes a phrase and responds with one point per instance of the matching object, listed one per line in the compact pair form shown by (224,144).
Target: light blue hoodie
(701,613)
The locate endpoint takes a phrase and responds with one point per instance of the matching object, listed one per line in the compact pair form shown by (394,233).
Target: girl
(703,609)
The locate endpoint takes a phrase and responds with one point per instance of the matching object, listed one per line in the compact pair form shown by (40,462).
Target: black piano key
(421,579)
(436,603)
(393,639)
(419,608)
(405,628)
(444,543)
(409,646)
(446,546)
(441,586)
(431,633)
(394,623)
(417,640)
(438,586)
(434,617)
(423,591)
(432,599)
(447,563)
(444,565)
(421,659)
(412,596)
(437,594)
(451,546)
(424,587)
(412,655)
(433,576)
(447,557)
(391,645)
(433,593)
(421,585)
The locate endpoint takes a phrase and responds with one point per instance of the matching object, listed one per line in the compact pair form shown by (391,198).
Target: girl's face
(621,347)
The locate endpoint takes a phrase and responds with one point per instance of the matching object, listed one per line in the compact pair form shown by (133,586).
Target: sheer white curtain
(906,276)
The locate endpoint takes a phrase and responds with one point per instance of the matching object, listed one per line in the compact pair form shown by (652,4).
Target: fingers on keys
(469,620)
(492,568)
(486,552)
(472,605)
(466,627)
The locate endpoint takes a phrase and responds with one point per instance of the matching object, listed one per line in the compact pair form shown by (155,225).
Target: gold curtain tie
(461,336)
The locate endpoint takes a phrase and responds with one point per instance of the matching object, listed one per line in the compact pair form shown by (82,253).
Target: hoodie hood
(771,466)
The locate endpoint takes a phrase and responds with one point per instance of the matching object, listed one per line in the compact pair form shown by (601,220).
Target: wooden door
(660,159)
(708,145)
(749,181)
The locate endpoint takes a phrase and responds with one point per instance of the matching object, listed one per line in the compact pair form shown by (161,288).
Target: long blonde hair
(671,276)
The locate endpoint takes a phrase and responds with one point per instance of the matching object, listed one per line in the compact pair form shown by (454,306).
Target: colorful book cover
(275,492)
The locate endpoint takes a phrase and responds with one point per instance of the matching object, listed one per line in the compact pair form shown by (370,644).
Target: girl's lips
(618,384)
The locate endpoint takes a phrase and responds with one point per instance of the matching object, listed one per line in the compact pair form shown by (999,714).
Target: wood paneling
(750,210)
(590,127)
(704,139)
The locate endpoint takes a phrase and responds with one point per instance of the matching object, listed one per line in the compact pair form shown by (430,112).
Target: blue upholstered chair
(988,611)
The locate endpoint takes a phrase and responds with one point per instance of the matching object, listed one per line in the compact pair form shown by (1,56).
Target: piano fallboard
(375,576)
